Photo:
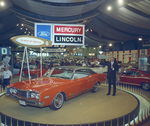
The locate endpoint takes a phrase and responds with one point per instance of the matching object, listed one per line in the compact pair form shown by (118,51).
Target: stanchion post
(143,115)
(146,112)
(123,120)
(149,111)
(134,121)
(111,123)
(141,119)
(138,118)
(117,121)
(5,121)
(0,119)
(129,120)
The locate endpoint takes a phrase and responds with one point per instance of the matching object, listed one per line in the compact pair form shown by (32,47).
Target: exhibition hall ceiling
(106,21)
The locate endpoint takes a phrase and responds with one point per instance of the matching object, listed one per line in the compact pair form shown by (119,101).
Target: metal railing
(135,118)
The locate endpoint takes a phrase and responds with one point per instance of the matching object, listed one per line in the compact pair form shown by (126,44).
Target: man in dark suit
(111,75)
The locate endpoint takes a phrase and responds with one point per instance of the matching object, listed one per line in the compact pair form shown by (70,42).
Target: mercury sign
(62,34)
(68,35)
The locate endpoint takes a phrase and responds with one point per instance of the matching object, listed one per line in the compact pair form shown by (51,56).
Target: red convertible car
(58,84)
(135,77)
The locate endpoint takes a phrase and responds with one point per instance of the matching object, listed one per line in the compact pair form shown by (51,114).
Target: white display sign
(31,41)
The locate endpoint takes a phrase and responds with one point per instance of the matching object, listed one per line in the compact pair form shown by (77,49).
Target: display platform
(88,108)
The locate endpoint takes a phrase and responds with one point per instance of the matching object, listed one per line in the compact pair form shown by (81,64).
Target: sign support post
(25,53)
(41,61)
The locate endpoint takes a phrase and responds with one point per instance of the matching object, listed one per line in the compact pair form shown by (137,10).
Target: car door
(126,77)
(76,86)
(135,78)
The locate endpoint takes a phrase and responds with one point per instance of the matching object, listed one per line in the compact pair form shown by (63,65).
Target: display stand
(31,41)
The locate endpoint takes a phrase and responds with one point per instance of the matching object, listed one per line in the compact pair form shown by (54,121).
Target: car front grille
(22,93)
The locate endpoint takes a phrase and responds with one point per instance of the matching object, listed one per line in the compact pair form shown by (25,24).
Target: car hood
(38,84)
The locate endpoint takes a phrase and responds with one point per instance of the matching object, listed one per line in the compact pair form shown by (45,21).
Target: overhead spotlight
(110,44)
(100,46)
(91,30)
(22,24)
(17,25)
(94,48)
(109,8)
(26,29)
(21,28)
(2,3)
(120,2)
(140,39)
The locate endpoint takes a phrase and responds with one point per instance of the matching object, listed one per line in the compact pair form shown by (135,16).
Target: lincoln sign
(62,34)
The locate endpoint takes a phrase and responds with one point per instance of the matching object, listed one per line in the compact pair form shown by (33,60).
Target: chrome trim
(79,93)
(30,102)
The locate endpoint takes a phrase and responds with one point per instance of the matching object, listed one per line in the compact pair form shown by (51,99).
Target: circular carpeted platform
(84,109)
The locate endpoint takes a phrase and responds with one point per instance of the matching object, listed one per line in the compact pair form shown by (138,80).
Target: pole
(41,62)
(22,63)
(28,64)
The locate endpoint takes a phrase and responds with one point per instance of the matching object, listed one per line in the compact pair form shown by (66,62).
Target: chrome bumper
(29,102)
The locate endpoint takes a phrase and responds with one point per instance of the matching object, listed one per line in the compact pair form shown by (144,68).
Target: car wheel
(57,102)
(145,86)
(95,88)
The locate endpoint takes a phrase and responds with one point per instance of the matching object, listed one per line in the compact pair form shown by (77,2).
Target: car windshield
(59,73)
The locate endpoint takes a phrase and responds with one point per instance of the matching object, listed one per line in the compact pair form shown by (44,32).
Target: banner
(61,34)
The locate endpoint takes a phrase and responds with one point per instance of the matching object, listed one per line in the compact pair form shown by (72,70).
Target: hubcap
(58,101)
(146,86)
(96,87)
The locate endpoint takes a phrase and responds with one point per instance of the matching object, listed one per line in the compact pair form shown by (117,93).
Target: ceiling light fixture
(109,8)
(140,39)
(110,44)
(120,2)
(2,3)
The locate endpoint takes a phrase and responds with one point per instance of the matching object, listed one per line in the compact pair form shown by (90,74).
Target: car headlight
(35,95)
(13,90)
